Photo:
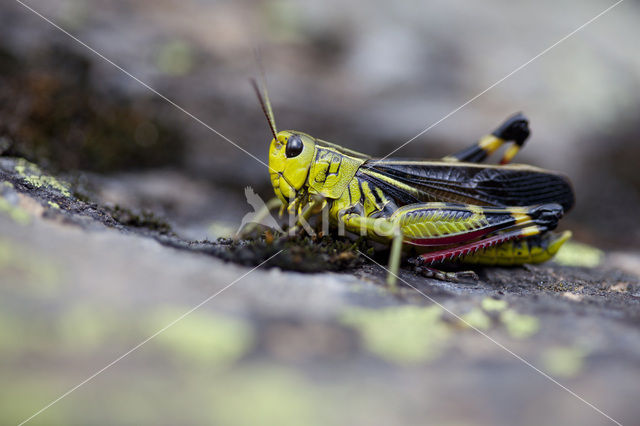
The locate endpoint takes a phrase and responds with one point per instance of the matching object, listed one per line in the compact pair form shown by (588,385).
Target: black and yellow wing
(409,182)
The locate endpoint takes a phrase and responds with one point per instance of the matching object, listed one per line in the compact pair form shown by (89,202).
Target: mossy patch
(143,220)
(299,253)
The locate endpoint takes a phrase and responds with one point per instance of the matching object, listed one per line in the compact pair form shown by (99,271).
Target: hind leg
(454,231)
(515,129)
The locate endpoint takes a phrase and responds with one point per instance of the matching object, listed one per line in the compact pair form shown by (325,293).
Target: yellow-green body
(327,173)
(453,209)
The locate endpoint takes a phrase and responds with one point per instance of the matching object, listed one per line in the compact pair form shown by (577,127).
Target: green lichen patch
(518,325)
(266,395)
(564,361)
(85,328)
(207,338)
(490,304)
(476,318)
(26,179)
(402,335)
(32,175)
(17,214)
(26,395)
(578,254)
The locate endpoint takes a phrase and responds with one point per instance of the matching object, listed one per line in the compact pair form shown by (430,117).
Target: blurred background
(367,75)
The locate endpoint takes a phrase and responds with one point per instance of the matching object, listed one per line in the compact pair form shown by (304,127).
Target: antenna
(263,94)
(266,107)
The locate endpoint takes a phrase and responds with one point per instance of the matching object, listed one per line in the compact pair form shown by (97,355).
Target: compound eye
(294,146)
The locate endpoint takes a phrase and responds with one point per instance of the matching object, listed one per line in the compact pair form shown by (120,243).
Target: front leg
(305,211)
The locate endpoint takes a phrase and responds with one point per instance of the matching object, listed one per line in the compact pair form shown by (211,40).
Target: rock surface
(220,343)
(91,270)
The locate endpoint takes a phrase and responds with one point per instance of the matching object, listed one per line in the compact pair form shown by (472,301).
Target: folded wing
(410,182)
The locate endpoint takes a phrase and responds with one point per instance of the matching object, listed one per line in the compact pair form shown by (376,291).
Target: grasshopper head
(290,157)
(290,154)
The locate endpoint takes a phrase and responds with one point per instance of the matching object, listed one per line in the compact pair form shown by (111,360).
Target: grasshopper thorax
(290,157)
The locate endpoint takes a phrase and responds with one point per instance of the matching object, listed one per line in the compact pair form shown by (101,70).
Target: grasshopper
(454,210)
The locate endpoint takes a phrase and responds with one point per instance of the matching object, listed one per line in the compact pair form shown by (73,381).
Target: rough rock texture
(93,265)
(83,282)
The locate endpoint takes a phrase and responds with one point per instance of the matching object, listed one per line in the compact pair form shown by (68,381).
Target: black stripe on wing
(498,186)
